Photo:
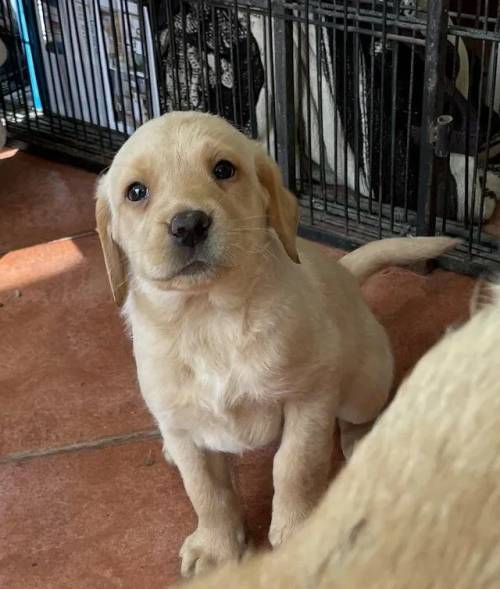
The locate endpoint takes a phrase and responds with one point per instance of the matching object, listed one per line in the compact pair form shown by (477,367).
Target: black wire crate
(383,115)
(86,73)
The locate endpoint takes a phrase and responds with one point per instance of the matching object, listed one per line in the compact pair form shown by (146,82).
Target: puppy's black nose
(190,227)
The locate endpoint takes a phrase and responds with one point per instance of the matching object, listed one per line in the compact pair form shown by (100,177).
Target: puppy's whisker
(254,217)
(147,250)
(266,252)
(120,284)
(263,251)
(238,229)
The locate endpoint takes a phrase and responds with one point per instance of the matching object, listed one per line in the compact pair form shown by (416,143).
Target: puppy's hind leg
(351,434)
(302,465)
(365,399)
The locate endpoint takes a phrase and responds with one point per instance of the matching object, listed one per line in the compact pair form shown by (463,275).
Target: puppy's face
(188,199)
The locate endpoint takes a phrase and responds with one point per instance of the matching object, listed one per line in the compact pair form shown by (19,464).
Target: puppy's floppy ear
(114,257)
(283,209)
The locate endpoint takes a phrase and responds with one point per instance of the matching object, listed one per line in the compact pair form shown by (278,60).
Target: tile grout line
(104,442)
(85,233)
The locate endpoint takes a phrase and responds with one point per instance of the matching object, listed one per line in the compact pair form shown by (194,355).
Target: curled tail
(397,251)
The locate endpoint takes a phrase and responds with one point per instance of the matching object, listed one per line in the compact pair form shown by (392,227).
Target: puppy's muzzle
(189,228)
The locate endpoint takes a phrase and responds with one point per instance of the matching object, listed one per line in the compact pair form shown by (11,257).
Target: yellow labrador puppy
(242,333)
(419,503)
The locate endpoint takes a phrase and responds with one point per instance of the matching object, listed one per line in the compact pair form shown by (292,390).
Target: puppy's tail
(397,251)
(485,293)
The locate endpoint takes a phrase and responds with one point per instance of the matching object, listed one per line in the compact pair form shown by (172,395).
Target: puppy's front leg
(302,465)
(220,534)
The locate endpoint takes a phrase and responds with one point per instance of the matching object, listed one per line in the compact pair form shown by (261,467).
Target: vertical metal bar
(308,99)
(266,77)
(98,21)
(446,192)
(435,62)
(173,49)
(477,130)
(334,86)
(381,178)
(14,43)
(202,48)
(125,37)
(394,66)
(92,66)
(145,53)
(71,12)
(251,97)
(356,112)
(27,46)
(118,66)
(442,151)
(154,28)
(215,28)
(10,27)
(20,59)
(319,75)
(50,28)
(239,77)
(298,107)
(488,130)
(74,67)
(344,108)
(442,164)
(371,131)
(2,94)
(408,130)
(65,55)
(285,115)
(467,125)
(272,72)
(184,54)
(233,40)
(32,53)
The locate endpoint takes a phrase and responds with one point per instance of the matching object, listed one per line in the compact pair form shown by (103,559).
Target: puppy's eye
(137,191)
(223,170)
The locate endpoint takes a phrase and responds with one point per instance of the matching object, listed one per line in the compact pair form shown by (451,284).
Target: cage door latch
(440,136)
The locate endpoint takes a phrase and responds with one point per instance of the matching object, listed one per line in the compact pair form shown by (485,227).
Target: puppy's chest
(223,402)
(215,383)
(222,372)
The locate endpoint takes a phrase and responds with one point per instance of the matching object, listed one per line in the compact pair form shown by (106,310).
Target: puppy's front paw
(282,525)
(168,456)
(208,547)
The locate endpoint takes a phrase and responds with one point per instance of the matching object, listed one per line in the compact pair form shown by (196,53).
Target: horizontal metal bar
(355,10)
(259,6)
(469,33)
(353,29)
(358,17)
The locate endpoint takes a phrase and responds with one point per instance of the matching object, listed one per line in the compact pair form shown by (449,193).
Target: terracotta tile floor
(86,499)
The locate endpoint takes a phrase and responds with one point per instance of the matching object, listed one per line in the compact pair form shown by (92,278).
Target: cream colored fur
(272,340)
(419,503)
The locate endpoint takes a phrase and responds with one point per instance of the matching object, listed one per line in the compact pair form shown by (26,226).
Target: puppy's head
(188,199)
